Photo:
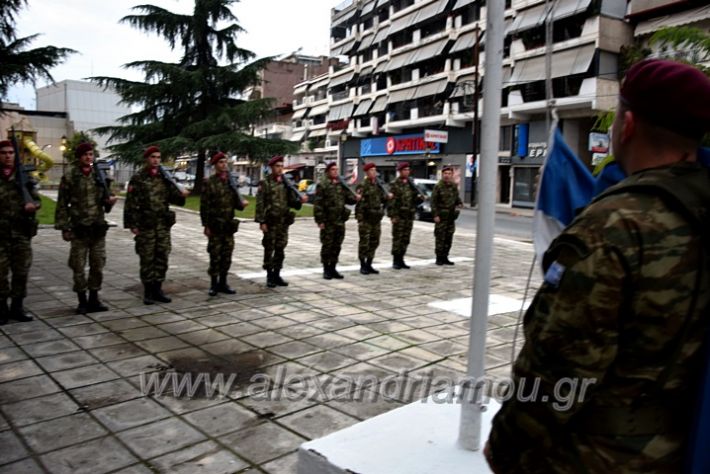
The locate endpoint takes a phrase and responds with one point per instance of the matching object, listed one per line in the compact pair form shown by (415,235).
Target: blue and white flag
(566,185)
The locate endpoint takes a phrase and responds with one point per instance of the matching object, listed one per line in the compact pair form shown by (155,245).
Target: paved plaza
(95,394)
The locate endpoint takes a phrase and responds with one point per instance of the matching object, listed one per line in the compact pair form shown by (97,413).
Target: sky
(103,45)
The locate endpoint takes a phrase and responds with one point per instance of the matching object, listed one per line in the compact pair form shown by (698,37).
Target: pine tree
(194,105)
(19,65)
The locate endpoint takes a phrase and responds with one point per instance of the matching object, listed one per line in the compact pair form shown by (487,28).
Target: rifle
(235,189)
(171,181)
(345,186)
(103,183)
(291,186)
(20,172)
(423,197)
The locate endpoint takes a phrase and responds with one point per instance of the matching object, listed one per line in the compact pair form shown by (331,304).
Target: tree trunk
(200,174)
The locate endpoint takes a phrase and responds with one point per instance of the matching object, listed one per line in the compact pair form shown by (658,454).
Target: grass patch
(193,203)
(45,215)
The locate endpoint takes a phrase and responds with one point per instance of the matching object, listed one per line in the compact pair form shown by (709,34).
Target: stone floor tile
(220,419)
(364,409)
(61,432)
(94,457)
(83,330)
(317,421)
(294,350)
(33,337)
(284,465)
(181,327)
(276,403)
(205,458)
(126,350)
(18,370)
(27,388)
(124,324)
(327,361)
(50,348)
(328,340)
(12,447)
(262,443)
(26,466)
(6,342)
(70,360)
(358,333)
(229,346)
(89,375)
(203,337)
(105,394)
(39,409)
(141,334)
(135,469)
(240,329)
(137,365)
(99,340)
(361,351)
(216,320)
(162,344)
(160,437)
(265,339)
(130,414)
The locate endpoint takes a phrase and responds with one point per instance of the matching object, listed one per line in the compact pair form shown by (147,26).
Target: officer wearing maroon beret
(401,212)
(616,338)
(369,212)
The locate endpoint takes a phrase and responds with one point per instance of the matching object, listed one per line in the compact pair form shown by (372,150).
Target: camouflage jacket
(218,203)
(12,214)
(625,302)
(405,201)
(371,207)
(329,205)
(273,202)
(444,201)
(148,201)
(80,201)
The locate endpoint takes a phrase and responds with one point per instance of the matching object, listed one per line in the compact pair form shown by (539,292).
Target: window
(401,4)
(433,27)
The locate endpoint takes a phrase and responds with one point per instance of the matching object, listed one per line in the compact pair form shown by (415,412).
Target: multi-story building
(411,67)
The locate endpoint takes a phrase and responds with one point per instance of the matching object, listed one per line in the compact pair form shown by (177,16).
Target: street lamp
(63,148)
(342,138)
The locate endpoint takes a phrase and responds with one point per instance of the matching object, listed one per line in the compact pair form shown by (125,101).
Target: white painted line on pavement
(497,304)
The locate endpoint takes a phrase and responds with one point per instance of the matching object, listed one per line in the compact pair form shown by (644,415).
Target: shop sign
(436,136)
(398,145)
(598,142)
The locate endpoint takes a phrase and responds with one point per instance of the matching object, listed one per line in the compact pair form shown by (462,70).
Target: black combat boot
(447,261)
(158,294)
(397,262)
(223,287)
(213,287)
(440,260)
(83,307)
(363,267)
(326,272)
(95,304)
(335,273)
(17,312)
(402,263)
(277,278)
(370,268)
(270,279)
(148,293)
(4,311)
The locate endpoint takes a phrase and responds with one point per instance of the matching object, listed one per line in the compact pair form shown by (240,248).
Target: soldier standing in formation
(17,227)
(79,214)
(369,213)
(445,205)
(274,201)
(217,205)
(331,214)
(401,212)
(147,213)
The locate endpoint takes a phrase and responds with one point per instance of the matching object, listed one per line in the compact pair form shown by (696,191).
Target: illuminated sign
(398,145)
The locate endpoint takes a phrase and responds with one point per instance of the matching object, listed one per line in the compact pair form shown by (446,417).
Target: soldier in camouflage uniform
(623,310)
(273,213)
(401,212)
(445,202)
(17,227)
(80,216)
(369,213)
(217,205)
(147,213)
(331,214)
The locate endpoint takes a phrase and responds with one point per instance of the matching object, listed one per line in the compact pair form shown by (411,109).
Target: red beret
(401,165)
(669,94)
(150,150)
(447,168)
(275,160)
(368,166)
(216,157)
(82,148)
(330,165)
(5,143)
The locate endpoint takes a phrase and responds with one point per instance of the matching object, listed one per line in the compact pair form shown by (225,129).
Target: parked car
(303,184)
(185,179)
(311,192)
(424,209)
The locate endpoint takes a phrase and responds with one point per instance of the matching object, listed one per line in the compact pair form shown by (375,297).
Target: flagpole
(472,404)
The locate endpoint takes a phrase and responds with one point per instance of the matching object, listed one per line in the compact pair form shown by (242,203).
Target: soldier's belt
(623,421)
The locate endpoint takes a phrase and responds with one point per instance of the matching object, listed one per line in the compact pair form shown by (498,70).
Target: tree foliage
(193,105)
(18,63)
(74,141)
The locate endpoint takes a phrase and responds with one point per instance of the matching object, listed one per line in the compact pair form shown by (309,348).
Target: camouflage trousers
(444,237)
(401,234)
(153,248)
(95,251)
(15,257)
(220,248)
(369,234)
(331,239)
(274,242)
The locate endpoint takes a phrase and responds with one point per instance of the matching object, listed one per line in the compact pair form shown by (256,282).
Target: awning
(432,88)
(381,34)
(368,8)
(343,18)
(400,60)
(366,71)
(428,51)
(465,85)
(321,132)
(362,108)
(381,2)
(403,22)
(366,42)
(342,79)
(318,110)
(302,89)
(462,3)
(381,67)
(467,41)
(297,137)
(300,113)
(430,10)
(379,105)
(343,48)
(678,19)
(564,63)
(402,95)
(534,17)
(340,112)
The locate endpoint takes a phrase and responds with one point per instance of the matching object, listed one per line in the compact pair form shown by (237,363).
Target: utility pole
(472,401)
(549,6)
(476,95)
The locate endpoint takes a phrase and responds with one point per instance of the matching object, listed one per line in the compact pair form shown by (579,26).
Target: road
(508,224)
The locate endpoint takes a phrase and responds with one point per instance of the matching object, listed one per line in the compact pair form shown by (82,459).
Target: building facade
(417,66)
